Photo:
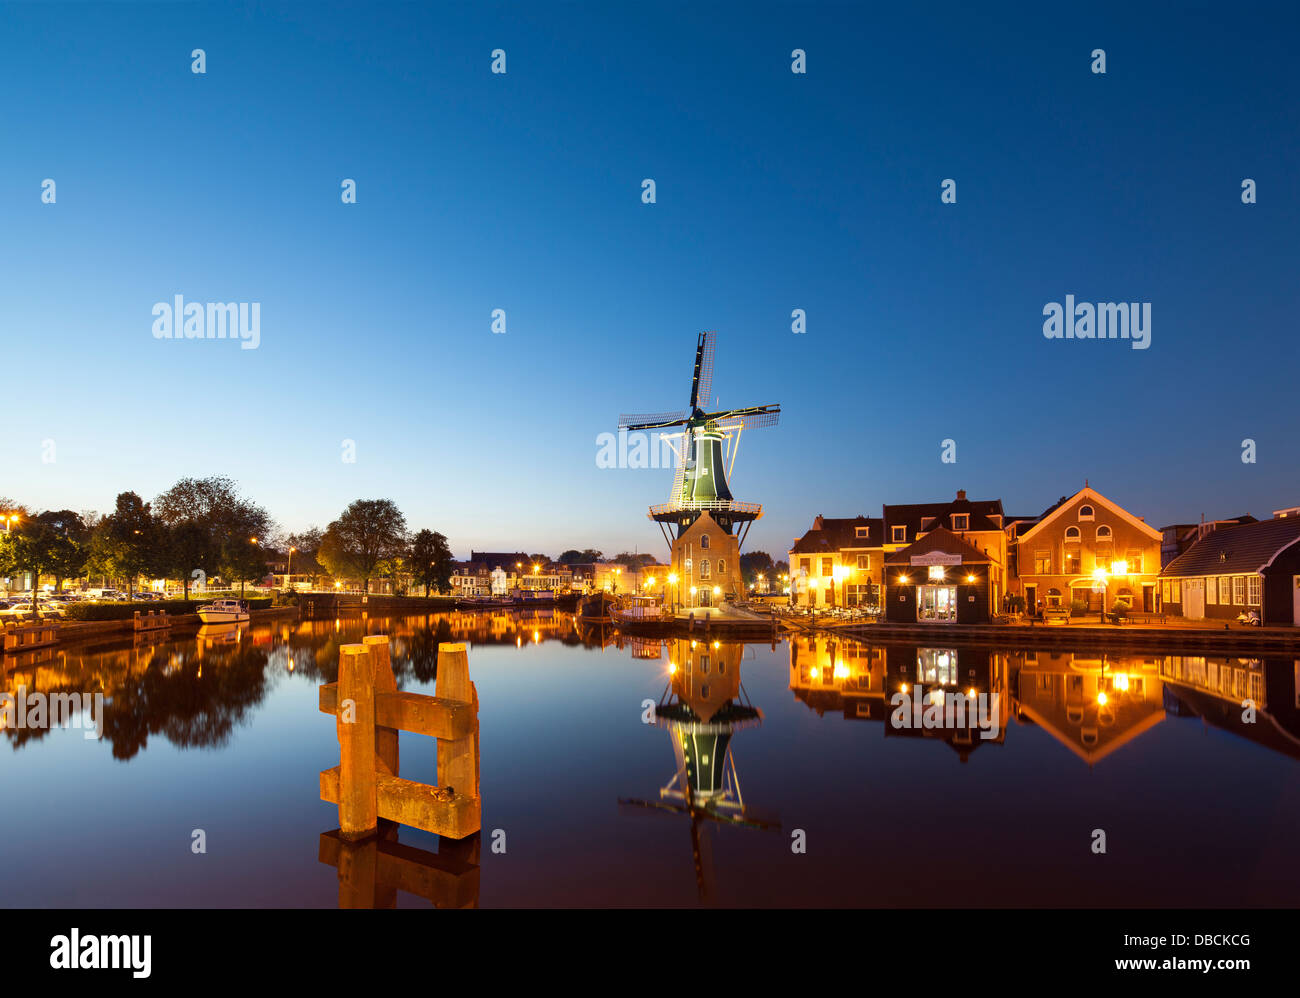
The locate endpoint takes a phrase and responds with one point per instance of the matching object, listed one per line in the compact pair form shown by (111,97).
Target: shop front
(939,579)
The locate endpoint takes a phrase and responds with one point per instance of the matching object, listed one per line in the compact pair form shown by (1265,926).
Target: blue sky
(522,191)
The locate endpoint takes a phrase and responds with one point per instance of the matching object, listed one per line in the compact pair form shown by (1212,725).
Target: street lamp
(672,581)
(1099,585)
(841,572)
(288,577)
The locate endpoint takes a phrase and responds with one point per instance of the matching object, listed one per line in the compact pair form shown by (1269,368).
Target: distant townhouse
(977,523)
(1014,526)
(838,561)
(1243,569)
(471,578)
(1178,537)
(1087,549)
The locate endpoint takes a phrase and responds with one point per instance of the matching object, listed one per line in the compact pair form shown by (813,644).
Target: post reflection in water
(702,706)
(219,729)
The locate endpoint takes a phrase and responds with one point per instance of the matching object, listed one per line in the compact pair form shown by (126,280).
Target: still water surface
(222,733)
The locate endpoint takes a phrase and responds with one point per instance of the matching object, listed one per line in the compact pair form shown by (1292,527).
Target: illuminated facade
(1087,550)
(838,563)
(706,564)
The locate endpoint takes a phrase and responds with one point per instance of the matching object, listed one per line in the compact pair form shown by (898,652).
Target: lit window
(899,534)
(1239,590)
(704,541)
(961,521)
(1252,590)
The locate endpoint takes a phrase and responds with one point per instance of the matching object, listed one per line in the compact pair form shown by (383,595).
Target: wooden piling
(457,757)
(386,751)
(358,807)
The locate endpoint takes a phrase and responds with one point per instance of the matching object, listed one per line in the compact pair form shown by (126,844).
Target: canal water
(629,772)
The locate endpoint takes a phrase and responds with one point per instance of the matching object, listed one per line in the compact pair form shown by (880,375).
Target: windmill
(710,441)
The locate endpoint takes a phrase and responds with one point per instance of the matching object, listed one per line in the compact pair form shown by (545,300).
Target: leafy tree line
(201,529)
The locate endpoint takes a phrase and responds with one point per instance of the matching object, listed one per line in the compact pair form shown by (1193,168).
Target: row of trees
(195,530)
(201,529)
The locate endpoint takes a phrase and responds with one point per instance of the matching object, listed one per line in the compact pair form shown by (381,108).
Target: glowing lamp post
(1099,586)
(841,573)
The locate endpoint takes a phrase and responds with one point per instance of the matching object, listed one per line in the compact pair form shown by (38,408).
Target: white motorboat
(223,611)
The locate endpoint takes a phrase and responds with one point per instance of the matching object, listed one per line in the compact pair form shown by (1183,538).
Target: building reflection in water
(702,707)
(831,674)
(1090,702)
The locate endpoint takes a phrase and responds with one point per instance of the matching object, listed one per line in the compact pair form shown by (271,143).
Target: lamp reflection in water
(701,707)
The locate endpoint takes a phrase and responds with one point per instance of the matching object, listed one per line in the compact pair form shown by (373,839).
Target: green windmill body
(700,483)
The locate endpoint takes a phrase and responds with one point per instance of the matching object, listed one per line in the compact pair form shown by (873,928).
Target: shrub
(1078,608)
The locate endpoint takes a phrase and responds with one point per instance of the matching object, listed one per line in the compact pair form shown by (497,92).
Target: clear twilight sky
(522,191)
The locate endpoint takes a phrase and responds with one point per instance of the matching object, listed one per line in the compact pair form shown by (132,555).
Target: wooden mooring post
(151,621)
(23,637)
(369,712)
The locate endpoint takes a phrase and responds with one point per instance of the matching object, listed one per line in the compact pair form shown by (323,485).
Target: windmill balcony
(713,505)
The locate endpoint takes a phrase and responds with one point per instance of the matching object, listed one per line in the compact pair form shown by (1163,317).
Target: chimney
(817,523)
(961,495)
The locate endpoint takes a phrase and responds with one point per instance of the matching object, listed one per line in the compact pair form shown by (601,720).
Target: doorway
(936,604)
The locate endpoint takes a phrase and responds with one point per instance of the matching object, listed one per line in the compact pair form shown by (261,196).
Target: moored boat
(224,611)
(597,606)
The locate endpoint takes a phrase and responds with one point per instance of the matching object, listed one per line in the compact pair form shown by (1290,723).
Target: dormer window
(1072,534)
(1086,512)
(960,521)
(861,531)
(899,535)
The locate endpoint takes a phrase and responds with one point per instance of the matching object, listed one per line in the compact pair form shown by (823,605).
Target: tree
(188,548)
(125,543)
(306,546)
(756,563)
(587,557)
(54,543)
(635,560)
(430,560)
(366,533)
(237,530)
(243,558)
